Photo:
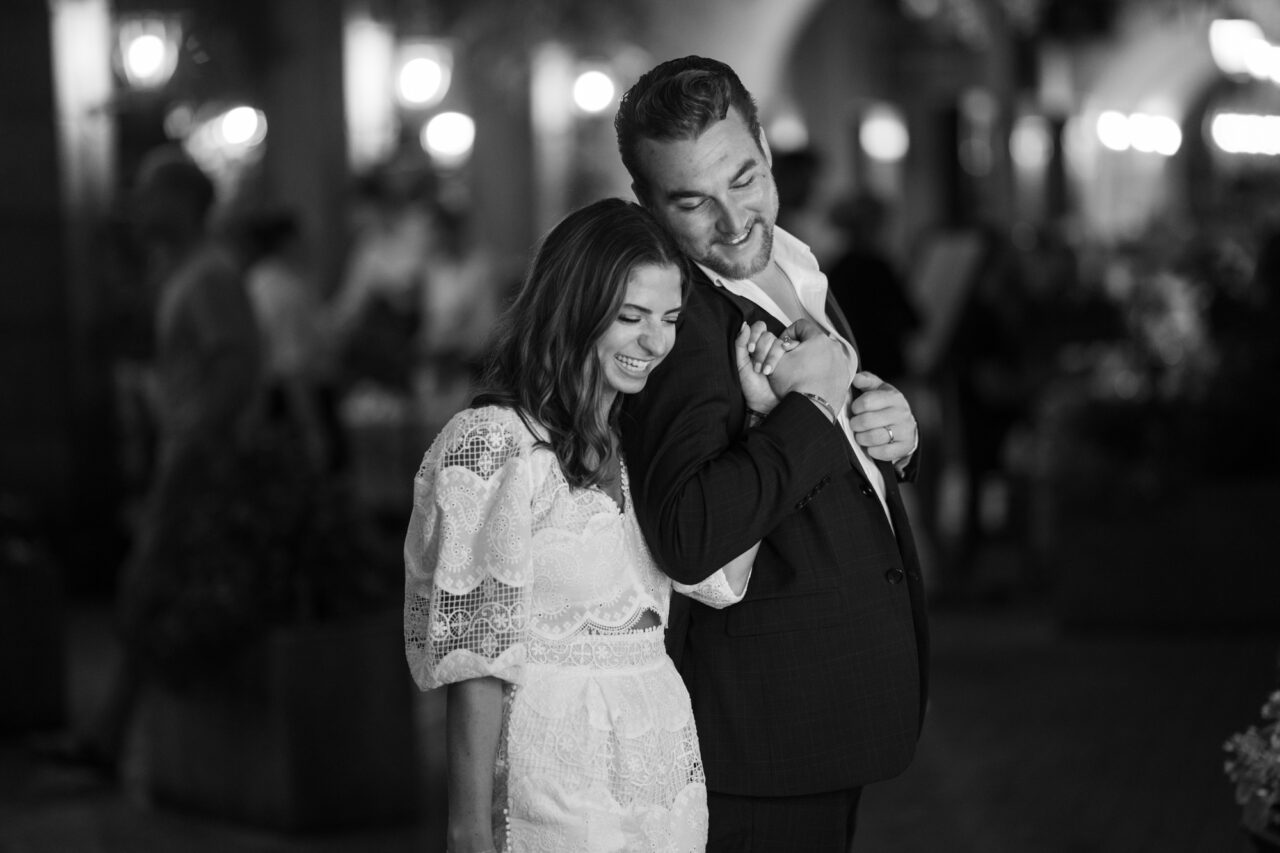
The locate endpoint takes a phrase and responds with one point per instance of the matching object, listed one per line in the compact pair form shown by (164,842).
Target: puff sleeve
(467,555)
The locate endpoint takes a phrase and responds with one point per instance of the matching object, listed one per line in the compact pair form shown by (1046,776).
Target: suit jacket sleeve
(704,489)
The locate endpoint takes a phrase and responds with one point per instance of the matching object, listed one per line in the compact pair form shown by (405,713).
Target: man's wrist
(822,403)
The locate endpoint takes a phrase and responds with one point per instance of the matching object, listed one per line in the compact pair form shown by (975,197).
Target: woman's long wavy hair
(542,360)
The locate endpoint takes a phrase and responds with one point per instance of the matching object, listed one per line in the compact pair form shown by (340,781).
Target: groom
(814,685)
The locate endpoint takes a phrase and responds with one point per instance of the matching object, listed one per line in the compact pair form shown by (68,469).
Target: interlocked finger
(766,348)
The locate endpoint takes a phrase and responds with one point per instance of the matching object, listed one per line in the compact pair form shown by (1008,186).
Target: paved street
(1036,743)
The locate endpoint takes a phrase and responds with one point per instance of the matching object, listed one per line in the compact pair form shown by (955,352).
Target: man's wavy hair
(678,99)
(542,361)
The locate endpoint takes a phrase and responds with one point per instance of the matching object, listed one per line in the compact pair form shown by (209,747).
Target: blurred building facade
(1096,173)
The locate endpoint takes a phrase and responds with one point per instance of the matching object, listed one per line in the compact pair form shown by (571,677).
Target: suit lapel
(749,310)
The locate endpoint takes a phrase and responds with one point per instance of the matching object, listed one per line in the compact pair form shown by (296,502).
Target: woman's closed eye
(631,320)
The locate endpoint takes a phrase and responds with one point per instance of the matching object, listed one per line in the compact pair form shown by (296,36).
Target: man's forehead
(724,146)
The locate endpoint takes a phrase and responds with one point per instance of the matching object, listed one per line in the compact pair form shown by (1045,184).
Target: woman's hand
(757,351)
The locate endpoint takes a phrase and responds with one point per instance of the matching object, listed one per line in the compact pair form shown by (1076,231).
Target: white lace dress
(512,573)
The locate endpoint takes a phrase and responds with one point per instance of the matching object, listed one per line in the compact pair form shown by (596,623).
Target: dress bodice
(503,554)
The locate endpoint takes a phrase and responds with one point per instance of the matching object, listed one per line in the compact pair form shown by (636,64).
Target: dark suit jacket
(816,680)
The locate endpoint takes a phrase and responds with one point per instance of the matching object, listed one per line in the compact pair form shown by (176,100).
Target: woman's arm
(727,585)
(473,727)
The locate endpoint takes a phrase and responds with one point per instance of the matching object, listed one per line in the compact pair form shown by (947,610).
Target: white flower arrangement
(1254,767)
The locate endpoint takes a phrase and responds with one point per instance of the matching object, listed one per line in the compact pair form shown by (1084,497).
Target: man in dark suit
(813,685)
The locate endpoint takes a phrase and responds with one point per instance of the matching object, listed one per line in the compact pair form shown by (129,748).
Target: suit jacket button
(894,576)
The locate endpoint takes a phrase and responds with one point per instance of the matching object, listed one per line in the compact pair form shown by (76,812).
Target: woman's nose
(655,342)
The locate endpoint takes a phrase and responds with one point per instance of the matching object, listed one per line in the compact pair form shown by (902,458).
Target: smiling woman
(529,590)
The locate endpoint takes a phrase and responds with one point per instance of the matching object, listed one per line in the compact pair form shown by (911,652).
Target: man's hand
(881,420)
(817,364)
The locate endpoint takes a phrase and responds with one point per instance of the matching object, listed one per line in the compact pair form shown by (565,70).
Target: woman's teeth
(632,363)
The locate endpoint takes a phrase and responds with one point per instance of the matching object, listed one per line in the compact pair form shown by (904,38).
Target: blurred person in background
(986,369)
(866,283)
(206,403)
(296,339)
(800,209)
(376,313)
(376,317)
(529,590)
(461,299)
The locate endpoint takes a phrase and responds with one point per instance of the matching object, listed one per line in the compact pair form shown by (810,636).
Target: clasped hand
(805,359)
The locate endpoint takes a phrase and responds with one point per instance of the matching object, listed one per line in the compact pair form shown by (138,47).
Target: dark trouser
(813,823)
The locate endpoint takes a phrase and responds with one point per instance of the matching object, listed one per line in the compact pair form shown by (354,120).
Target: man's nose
(733,218)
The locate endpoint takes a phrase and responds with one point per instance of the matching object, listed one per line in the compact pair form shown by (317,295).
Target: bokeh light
(148,51)
(883,134)
(243,126)
(1113,130)
(1031,142)
(1143,132)
(1238,133)
(1231,41)
(449,137)
(426,70)
(593,91)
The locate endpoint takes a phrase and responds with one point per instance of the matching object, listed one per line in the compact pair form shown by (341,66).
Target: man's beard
(720,265)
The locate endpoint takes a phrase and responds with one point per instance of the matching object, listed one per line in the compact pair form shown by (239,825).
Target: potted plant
(274,636)
(1254,767)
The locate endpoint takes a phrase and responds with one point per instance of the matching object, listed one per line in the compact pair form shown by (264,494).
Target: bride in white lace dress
(529,590)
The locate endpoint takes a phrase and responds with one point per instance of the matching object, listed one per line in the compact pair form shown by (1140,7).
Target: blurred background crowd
(255,250)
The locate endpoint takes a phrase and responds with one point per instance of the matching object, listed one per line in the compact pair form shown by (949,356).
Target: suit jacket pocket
(804,611)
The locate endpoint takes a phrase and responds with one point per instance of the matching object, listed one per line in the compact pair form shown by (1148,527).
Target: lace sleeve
(716,590)
(467,561)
